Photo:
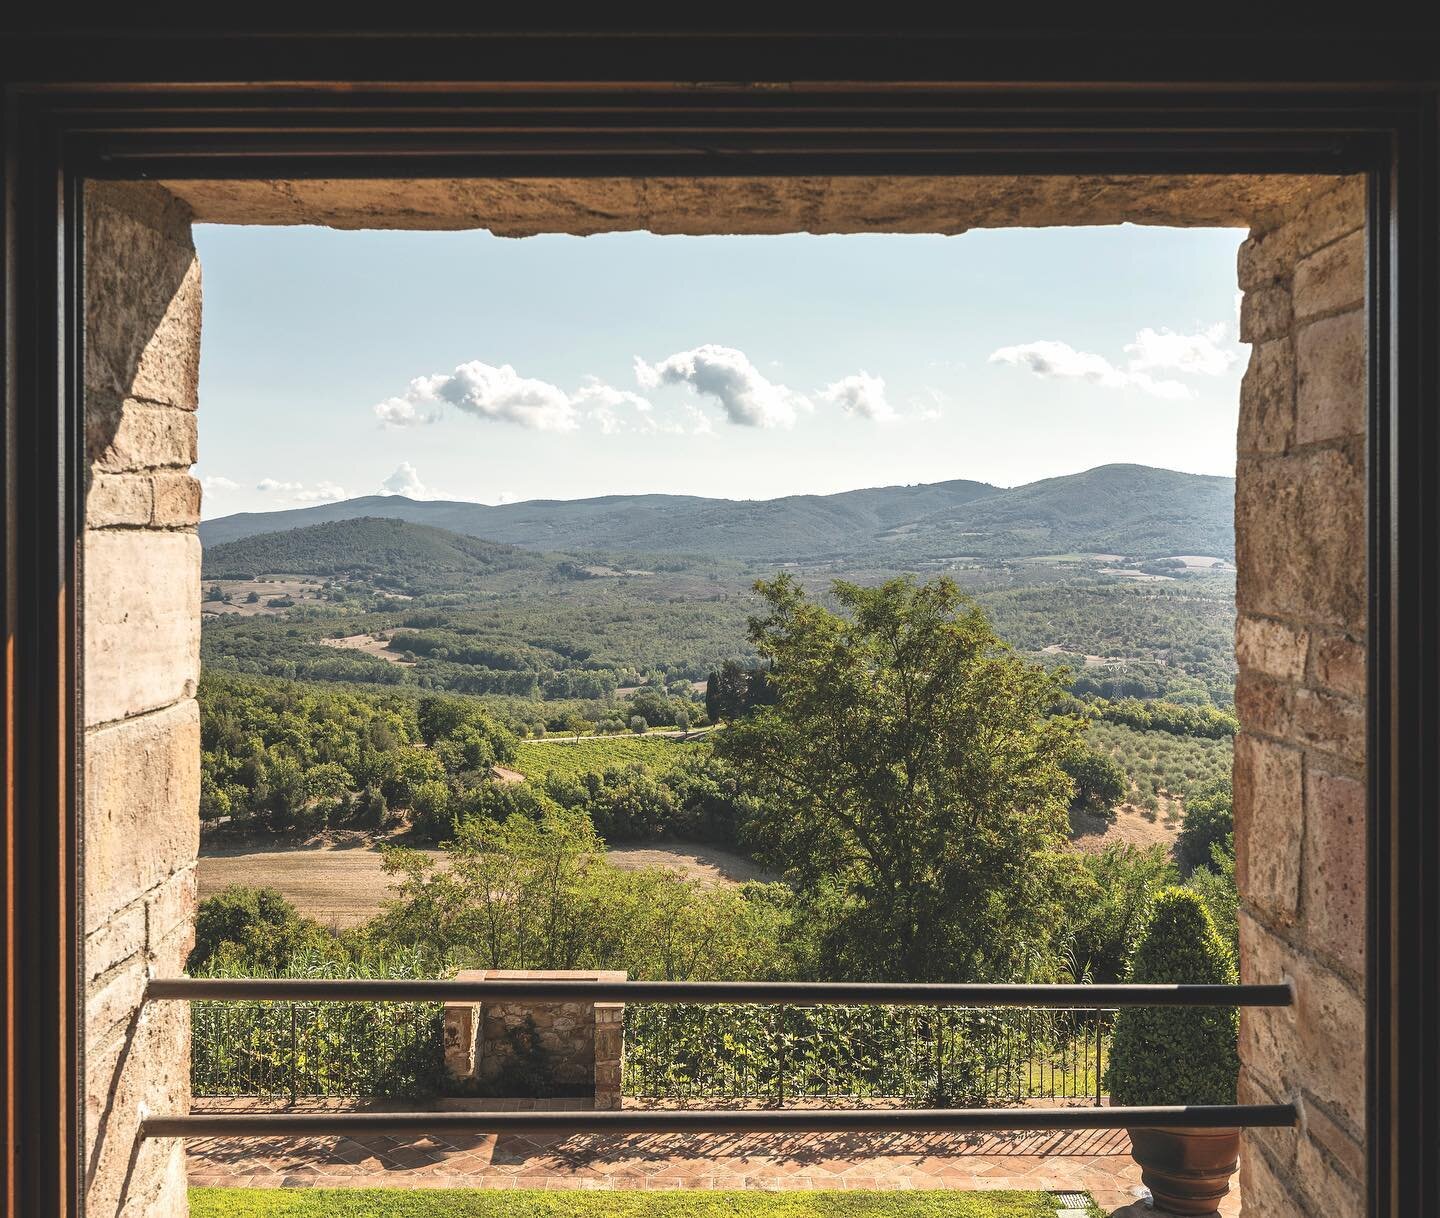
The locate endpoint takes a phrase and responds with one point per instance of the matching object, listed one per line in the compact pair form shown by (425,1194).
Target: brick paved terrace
(1097,1162)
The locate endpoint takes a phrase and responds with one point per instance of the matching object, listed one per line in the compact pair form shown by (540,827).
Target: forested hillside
(388,553)
(1129,510)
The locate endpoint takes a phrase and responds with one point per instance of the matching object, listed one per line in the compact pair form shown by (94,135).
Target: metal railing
(931,1056)
(799,994)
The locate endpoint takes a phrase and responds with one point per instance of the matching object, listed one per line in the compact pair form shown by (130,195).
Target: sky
(466,366)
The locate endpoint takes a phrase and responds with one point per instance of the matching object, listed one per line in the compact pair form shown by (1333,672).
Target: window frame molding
(61,132)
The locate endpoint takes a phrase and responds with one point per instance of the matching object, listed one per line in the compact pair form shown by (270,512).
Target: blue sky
(465,366)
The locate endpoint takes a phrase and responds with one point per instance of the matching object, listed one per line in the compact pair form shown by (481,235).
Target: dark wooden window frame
(76,121)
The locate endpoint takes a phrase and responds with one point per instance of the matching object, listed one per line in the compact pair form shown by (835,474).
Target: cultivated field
(571,758)
(239,592)
(343,884)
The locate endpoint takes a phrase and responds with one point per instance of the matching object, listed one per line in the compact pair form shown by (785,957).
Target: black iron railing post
(1099,1055)
(780,1059)
(294,1057)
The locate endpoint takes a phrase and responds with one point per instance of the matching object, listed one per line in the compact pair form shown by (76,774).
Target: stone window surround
(1300,511)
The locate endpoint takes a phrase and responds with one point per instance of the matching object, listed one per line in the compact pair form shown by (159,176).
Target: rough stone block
(1345,1151)
(1330,379)
(142,798)
(1265,313)
(1330,722)
(145,1070)
(1274,253)
(170,905)
(1313,1045)
(142,624)
(126,435)
(1334,871)
(118,499)
(177,501)
(1265,1194)
(1337,663)
(1297,522)
(1276,649)
(1331,1191)
(1267,399)
(142,291)
(1332,279)
(1269,825)
(113,999)
(119,937)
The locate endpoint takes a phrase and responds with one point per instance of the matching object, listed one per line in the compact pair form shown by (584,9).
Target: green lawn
(520,1203)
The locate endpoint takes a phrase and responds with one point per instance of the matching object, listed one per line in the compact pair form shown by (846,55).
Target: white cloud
(596,393)
(486,392)
(298,492)
(215,482)
(931,406)
(1197,354)
(500,393)
(324,492)
(747,396)
(404,481)
(1060,361)
(862,394)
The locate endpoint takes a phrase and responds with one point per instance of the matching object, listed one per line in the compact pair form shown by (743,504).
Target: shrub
(1177,1055)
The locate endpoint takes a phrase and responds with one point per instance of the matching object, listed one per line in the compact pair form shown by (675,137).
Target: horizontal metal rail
(797,993)
(894,1120)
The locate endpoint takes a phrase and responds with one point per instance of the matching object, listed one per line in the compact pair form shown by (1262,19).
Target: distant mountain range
(1132,510)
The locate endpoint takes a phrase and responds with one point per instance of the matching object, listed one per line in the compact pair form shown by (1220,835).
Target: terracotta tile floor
(1096,1161)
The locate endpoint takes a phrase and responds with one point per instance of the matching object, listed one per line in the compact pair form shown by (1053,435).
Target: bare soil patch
(371,645)
(709,865)
(337,879)
(1131,827)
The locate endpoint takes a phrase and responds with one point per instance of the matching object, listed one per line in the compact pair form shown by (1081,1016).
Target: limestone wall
(1300,759)
(141,561)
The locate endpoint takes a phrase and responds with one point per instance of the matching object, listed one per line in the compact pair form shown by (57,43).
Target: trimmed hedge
(1177,1055)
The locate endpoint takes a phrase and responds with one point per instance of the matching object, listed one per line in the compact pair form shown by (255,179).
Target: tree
(728,691)
(1111,910)
(1100,783)
(1209,822)
(909,775)
(256,927)
(1215,885)
(638,724)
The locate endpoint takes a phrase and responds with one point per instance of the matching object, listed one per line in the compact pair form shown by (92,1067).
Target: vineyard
(570,759)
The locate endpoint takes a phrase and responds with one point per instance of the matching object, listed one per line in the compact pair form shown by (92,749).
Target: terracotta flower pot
(1186,1170)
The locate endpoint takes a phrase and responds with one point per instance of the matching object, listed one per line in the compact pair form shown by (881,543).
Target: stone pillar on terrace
(142,659)
(1300,757)
(580,1044)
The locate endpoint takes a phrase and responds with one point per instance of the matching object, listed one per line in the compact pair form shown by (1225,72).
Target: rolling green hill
(1125,509)
(1130,510)
(390,553)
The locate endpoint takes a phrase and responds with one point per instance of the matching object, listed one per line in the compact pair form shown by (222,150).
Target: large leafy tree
(910,778)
